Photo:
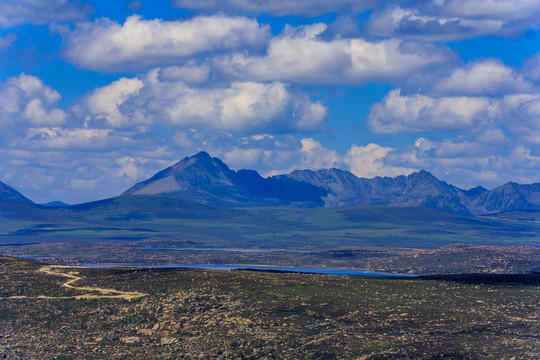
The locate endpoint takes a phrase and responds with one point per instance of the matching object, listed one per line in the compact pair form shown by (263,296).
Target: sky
(98,95)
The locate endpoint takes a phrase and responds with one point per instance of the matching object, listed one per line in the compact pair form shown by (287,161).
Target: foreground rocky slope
(209,180)
(190,314)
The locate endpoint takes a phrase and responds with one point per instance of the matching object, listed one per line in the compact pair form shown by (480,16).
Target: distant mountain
(510,196)
(55,204)
(9,193)
(208,180)
(418,189)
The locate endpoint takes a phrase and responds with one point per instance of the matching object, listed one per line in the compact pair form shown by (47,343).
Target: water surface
(228,250)
(303,270)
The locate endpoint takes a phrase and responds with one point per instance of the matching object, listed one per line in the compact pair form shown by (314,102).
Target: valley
(376,238)
(130,276)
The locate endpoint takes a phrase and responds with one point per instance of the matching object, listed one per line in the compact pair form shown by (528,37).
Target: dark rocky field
(257,315)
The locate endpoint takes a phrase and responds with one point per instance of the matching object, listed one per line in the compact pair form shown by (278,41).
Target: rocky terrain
(452,259)
(256,315)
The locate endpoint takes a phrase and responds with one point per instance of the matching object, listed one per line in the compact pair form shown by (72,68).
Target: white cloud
(371,160)
(532,67)
(26,100)
(488,77)
(398,113)
(474,159)
(37,12)
(523,113)
(413,24)
(184,139)
(507,10)
(105,45)
(462,148)
(299,55)
(491,135)
(454,20)
(279,7)
(244,106)
(190,73)
(130,167)
(314,156)
(106,102)
(240,107)
(268,154)
(476,97)
(72,139)
(244,158)
(45,173)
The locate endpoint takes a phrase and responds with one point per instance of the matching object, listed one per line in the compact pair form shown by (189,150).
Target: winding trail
(73,277)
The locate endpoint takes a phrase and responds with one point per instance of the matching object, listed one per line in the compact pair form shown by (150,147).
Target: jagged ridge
(209,180)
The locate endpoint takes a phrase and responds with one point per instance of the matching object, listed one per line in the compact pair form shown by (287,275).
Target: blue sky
(98,95)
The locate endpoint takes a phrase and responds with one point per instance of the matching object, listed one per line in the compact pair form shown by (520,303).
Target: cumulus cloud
(508,10)
(532,67)
(371,160)
(106,102)
(477,158)
(130,167)
(77,176)
(72,139)
(25,99)
(106,45)
(489,77)
(480,117)
(473,97)
(283,154)
(453,20)
(239,107)
(413,113)
(523,113)
(315,156)
(38,12)
(190,73)
(413,24)
(279,7)
(300,55)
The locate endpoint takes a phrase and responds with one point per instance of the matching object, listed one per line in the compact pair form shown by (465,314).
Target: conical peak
(202,155)
(201,158)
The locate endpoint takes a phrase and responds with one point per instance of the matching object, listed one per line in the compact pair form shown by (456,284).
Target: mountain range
(207,180)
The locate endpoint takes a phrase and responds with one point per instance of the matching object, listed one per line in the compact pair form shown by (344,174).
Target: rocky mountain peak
(9,193)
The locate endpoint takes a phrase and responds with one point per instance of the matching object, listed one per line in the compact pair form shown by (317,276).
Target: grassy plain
(407,240)
(134,218)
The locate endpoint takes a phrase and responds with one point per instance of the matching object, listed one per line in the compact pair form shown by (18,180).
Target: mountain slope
(9,193)
(510,196)
(208,180)
(417,189)
(204,179)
